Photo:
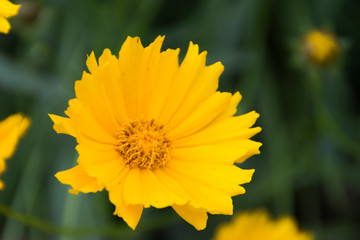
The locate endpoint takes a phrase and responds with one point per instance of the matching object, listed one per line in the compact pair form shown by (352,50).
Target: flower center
(144,144)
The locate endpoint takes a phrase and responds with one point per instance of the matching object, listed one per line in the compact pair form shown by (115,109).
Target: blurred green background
(310,161)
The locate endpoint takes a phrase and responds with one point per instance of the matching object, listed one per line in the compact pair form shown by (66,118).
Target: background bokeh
(310,161)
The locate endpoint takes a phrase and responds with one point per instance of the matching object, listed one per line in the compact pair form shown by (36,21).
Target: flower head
(320,47)
(156,133)
(7,10)
(259,225)
(11,130)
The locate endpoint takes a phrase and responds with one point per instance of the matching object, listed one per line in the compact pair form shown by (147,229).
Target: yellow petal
(8,9)
(105,57)
(205,85)
(91,63)
(109,90)
(252,149)
(11,130)
(230,151)
(231,109)
(2,169)
(63,125)
(130,213)
(203,196)
(91,93)
(167,68)
(157,192)
(195,216)
(259,225)
(171,184)
(129,56)
(148,74)
(134,192)
(102,163)
(224,178)
(79,180)
(192,64)
(202,115)
(225,152)
(4,25)
(86,124)
(231,128)
(2,165)
(94,144)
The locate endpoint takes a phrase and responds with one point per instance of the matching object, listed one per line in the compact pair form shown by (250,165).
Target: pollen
(144,144)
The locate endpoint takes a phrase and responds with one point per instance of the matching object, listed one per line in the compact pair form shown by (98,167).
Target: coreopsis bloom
(153,133)
(11,130)
(7,10)
(258,225)
(320,47)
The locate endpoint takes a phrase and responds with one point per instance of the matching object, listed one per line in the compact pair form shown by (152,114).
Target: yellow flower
(320,47)
(153,133)
(11,130)
(7,9)
(258,225)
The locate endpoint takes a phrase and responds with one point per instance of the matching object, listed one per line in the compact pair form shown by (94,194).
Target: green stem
(72,204)
(326,122)
(107,231)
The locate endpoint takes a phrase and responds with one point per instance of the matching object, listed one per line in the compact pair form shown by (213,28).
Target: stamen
(144,144)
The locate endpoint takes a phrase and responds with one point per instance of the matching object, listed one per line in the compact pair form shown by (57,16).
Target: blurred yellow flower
(7,9)
(320,47)
(11,130)
(154,133)
(258,225)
